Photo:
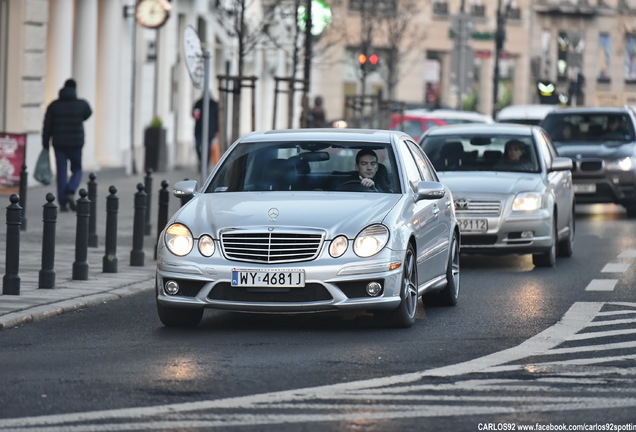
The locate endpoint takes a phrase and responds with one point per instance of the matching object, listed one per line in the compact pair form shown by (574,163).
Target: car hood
(337,213)
(489,182)
(606,151)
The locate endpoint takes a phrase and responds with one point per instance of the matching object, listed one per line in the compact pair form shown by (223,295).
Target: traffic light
(368,63)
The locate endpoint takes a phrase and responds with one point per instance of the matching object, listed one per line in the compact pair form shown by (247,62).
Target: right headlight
(178,239)
(623,164)
(371,240)
(527,201)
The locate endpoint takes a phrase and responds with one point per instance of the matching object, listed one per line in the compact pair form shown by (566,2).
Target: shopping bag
(42,171)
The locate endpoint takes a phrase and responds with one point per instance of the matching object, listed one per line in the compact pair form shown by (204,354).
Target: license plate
(584,188)
(473,225)
(284,278)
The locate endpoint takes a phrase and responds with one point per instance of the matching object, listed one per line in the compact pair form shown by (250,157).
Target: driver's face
(367,166)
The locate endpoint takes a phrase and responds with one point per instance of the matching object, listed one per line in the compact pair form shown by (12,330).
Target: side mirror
(428,190)
(184,188)
(561,164)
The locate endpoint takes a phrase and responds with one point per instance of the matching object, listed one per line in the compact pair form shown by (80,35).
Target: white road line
(630,253)
(615,268)
(601,285)
(248,409)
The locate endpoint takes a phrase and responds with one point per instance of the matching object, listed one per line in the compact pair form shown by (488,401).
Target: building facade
(132,75)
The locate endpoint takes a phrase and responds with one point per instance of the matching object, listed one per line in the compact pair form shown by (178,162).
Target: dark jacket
(64,120)
(213,120)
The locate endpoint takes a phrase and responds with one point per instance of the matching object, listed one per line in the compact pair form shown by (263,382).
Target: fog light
(374,288)
(527,234)
(171,287)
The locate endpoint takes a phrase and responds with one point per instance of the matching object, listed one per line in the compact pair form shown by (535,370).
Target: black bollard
(148,189)
(92,219)
(162,215)
(11,279)
(139,219)
(80,266)
(24,178)
(109,263)
(49,217)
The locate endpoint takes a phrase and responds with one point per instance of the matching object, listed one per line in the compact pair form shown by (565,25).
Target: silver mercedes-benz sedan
(513,193)
(311,220)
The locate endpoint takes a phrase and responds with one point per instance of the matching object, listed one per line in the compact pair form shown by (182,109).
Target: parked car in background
(284,224)
(601,142)
(524,114)
(416,122)
(513,193)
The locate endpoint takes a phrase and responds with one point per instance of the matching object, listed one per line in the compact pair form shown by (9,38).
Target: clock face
(151,13)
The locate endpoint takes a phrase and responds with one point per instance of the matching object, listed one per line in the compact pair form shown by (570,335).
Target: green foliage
(156,122)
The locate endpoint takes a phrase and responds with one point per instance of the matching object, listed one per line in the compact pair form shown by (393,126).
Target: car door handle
(435,211)
(448,203)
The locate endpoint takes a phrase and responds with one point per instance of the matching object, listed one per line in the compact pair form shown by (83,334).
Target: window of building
(604,57)
(373,6)
(630,58)
(4,12)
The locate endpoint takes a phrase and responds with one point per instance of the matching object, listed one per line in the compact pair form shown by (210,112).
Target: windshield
(589,128)
(307,166)
(481,152)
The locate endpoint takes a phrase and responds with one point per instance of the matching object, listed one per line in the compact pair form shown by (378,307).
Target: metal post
(205,131)
(92,221)
(162,215)
(148,188)
(46,277)
(11,279)
(24,179)
(137,253)
(109,262)
(80,266)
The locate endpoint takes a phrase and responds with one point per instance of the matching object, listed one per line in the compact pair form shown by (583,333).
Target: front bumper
(330,284)
(504,234)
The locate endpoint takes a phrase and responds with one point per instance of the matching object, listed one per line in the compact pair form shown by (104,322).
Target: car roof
(326,134)
(486,128)
(450,114)
(589,110)
(536,111)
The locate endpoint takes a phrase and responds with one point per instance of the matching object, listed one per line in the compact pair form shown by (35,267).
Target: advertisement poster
(12,154)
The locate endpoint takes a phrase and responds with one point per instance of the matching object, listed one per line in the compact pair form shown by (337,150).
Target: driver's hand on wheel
(364,181)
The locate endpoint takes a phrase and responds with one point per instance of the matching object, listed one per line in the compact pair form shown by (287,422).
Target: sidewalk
(33,303)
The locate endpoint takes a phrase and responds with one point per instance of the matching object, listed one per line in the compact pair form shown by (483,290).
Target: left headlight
(179,239)
(371,240)
(527,201)
(624,164)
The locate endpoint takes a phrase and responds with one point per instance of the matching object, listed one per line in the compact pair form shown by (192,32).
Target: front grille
(590,165)
(468,208)
(309,293)
(270,247)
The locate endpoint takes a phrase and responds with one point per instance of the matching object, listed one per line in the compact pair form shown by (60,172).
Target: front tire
(404,315)
(179,317)
(566,246)
(547,258)
(448,296)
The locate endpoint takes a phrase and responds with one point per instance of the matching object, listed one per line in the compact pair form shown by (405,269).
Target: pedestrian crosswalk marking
(601,285)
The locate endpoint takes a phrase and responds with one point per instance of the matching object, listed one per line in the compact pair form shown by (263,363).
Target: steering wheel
(355,186)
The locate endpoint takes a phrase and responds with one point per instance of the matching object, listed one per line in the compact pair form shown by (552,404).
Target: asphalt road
(515,351)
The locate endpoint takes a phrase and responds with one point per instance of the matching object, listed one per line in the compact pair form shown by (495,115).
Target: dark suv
(602,145)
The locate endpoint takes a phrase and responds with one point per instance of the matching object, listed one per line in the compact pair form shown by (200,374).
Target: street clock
(152,13)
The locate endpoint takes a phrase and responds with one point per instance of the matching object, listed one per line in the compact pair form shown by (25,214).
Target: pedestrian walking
(64,128)
(213,125)
(318,117)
